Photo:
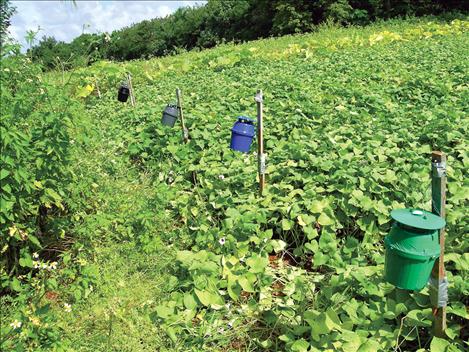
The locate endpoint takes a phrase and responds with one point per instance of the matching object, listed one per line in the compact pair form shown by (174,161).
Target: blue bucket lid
(245,119)
(244,126)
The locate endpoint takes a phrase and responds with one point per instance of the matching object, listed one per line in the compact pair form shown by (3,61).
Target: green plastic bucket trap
(412,246)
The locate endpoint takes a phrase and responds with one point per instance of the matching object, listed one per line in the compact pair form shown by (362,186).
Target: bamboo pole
(260,141)
(185,132)
(438,208)
(132,96)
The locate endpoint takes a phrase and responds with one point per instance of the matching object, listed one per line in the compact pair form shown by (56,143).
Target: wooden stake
(185,132)
(260,141)
(97,88)
(438,208)
(132,96)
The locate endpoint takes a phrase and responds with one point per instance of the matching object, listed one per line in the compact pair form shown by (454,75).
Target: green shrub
(35,179)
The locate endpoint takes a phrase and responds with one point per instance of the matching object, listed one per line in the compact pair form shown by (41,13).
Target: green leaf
(234,290)
(209,299)
(55,196)
(171,331)
(287,224)
(185,257)
(317,206)
(320,259)
(352,341)
(370,346)
(172,282)
(327,242)
(312,246)
(453,331)
(322,323)
(33,239)
(418,317)
(257,263)
(325,220)
(189,301)
(278,245)
(310,232)
(246,282)
(438,344)
(26,261)
(164,311)
(15,285)
(300,346)
(332,319)
(3,173)
(459,309)
(52,284)
(305,220)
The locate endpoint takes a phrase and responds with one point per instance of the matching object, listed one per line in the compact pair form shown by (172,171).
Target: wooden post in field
(97,88)
(132,96)
(438,272)
(185,132)
(260,141)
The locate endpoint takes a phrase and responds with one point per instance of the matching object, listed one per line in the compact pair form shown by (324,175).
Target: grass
(116,317)
(131,280)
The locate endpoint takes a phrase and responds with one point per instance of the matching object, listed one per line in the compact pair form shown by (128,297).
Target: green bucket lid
(419,219)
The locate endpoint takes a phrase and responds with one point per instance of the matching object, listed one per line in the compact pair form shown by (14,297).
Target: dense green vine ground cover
(348,135)
(351,117)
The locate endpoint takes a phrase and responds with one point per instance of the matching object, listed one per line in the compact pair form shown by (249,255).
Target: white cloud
(64,21)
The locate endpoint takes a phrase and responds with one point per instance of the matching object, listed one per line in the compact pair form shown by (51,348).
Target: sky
(65,21)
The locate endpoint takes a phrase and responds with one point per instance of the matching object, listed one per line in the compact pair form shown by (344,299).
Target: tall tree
(6,12)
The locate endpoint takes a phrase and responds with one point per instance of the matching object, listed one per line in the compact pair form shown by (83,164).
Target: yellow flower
(35,321)
(12,230)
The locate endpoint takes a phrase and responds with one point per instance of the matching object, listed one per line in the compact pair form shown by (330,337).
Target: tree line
(218,21)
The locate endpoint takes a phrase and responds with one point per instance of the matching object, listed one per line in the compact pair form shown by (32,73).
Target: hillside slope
(351,116)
